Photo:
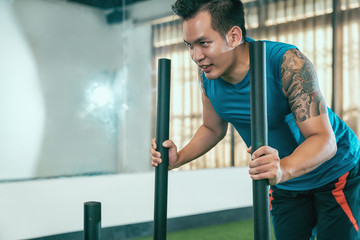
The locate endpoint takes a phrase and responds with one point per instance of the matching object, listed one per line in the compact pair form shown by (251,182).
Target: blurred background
(78,80)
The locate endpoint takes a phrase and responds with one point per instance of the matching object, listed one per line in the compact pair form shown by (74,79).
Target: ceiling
(106,4)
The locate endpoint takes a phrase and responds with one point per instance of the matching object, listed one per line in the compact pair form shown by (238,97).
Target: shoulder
(275,52)
(278,49)
(274,48)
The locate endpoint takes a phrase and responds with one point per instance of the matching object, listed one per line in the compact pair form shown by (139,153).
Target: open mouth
(206,68)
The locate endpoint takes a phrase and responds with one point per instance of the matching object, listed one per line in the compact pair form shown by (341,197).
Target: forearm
(203,140)
(313,152)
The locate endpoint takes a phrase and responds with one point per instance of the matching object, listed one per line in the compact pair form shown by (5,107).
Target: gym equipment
(92,221)
(259,132)
(162,134)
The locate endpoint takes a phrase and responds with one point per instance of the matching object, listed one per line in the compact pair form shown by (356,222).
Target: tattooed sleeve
(301,86)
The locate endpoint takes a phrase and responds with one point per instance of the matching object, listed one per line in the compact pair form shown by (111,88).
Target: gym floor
(226,231)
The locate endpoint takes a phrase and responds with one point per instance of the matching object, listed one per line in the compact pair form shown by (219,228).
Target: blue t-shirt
(232,103)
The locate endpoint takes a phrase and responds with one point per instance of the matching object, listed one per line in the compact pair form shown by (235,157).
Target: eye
(188,44)
(204,44)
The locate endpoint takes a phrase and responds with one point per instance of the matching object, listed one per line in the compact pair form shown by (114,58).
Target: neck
(240,66)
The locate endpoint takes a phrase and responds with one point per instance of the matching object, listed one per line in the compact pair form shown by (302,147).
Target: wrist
(286,170)
(178,161)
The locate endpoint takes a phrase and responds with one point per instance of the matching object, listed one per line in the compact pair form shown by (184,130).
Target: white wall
(21,102)
(47,207)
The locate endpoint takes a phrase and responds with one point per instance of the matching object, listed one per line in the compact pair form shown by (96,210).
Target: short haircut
(224,13)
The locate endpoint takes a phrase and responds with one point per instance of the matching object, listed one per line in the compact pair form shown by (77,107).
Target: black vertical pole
(92,221)
(337,34)
(162,134)
(259,136)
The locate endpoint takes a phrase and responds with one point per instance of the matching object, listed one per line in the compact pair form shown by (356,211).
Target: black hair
(224,13)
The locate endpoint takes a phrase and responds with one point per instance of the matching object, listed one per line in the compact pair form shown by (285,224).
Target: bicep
(319,125)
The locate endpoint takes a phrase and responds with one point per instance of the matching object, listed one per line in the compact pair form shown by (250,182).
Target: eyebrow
(200,39)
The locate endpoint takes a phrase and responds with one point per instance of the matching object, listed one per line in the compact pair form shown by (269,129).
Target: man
(312,161)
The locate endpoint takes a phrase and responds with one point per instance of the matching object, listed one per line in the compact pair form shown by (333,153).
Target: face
(211,52)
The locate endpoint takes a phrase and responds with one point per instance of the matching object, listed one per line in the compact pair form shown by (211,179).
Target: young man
(312,161)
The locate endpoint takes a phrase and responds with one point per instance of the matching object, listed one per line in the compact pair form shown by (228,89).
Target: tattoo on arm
(301,86)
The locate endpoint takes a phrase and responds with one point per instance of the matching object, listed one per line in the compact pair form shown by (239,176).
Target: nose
(197,54)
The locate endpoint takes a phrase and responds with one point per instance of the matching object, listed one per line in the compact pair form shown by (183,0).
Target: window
(306,24)
(186,106)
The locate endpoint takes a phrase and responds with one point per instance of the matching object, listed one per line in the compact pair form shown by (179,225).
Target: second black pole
(92,221)
(259,136)
(162,134)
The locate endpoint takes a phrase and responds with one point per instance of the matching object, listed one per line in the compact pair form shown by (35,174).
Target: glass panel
(68,99)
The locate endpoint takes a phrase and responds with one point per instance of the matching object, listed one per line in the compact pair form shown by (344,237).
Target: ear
(234,36)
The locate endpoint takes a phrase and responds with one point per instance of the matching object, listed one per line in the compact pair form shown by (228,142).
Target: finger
(262,176)
(249,150)
(154,153)
(268,176)
(262,151)
(153,143)
(263,160)
(270,168)
(155,157)
(269,171)
(261,169)
(156,160)
(168,143)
